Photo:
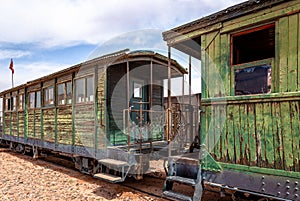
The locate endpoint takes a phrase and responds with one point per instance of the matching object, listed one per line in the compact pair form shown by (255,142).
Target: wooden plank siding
(21,121)
(101,133)
(6,122)
(49,124)
(84,125)
(258,130)
(216,60)
(64,125)
(264,133)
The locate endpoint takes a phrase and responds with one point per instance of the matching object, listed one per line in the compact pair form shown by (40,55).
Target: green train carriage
(249,131)
(107,113)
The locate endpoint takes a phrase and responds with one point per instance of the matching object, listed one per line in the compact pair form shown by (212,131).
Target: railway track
(151,185)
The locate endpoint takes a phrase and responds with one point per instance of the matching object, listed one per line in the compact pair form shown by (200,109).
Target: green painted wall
(258,130)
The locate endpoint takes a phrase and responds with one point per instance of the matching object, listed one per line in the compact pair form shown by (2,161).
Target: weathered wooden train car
(250,98)
(107,113)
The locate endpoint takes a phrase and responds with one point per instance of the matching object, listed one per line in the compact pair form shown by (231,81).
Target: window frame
(85,99)
(255,63)
(66,100)
(136,90)
(46,96)
(7,102)
(35,105)
(269,61)
(249,31)
(21,102)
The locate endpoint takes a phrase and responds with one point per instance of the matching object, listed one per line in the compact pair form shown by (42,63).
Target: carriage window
(253,80)
(64,93)
(14,103)
(252,45)
(252,52)
(84,89)
(49,96)
(80,90)
(61,94)
(90,89)
(7,104)
(31,100)
(38,99)
(69,92)
(137,90)
(21,103)
(34,99)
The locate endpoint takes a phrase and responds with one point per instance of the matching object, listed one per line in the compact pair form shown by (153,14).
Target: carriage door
(138,103)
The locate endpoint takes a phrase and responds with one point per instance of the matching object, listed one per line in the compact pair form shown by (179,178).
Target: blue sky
(43,37)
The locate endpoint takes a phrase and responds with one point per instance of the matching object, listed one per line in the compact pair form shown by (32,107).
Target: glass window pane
(38,99)
(48,96)
(21,101)
(61,94)
(79,90)
(14,103)
(69,92)
(7,104)
(31,99)
(253,80)
(90,89)
(137,90)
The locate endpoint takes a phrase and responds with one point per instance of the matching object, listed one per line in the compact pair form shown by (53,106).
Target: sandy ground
(24,178)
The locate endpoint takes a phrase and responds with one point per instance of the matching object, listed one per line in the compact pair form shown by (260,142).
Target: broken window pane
(253,80)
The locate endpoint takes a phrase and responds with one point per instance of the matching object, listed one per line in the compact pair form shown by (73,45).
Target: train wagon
(249,131)
(108,113)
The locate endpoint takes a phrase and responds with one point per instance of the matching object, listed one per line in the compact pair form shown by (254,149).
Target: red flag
(11,66)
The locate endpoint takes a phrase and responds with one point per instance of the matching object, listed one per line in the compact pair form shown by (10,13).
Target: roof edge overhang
(215,20)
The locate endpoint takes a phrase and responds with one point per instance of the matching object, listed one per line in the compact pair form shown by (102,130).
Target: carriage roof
(106,60)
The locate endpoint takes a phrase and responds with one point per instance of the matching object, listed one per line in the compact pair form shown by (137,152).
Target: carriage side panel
(49,124)
(64,125)
(261,132)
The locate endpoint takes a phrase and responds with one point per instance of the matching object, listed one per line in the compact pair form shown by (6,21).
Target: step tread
(113,162)
(177,196)
(108,177)
(182,180)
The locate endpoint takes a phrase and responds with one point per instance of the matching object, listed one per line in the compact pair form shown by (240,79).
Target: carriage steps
(112,166)
(175,195)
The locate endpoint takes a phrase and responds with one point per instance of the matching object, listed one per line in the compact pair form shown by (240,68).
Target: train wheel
(20,148)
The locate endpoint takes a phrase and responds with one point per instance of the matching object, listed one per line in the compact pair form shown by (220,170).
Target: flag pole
(12,80)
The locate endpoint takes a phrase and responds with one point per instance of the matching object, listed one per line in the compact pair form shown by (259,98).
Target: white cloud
(7,54)
(56,22)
